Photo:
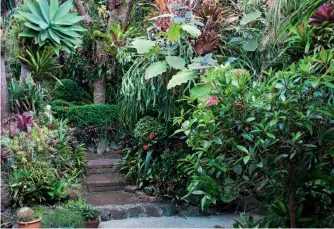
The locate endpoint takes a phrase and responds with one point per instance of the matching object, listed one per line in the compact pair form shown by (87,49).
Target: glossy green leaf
(181,77)
(142,45)
(243,149)
(176,62)
(173,32)
(246,159)
(250,45)
(250,17)
(155,69)
(192,30)
(259,164)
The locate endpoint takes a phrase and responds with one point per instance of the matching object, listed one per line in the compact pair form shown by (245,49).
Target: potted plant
(91,216)
(26,218)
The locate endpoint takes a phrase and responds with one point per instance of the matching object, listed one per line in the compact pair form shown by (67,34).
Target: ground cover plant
(212,103)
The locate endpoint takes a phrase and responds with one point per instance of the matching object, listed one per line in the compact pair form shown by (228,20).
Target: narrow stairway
(106,189)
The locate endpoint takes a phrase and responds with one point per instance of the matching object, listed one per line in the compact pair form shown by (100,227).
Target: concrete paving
(225,221)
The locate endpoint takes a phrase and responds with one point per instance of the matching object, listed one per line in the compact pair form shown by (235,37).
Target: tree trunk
(99,91)
(127,15)
(292,183)
(5,112)
(24,71)
(111,5)
(82,12)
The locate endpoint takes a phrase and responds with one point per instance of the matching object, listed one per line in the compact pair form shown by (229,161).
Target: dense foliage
(43,163)
(148,130)
(69,91)
(218,103)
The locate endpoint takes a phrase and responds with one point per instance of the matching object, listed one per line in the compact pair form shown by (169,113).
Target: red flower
(145,147)
(212,101)
(151,135)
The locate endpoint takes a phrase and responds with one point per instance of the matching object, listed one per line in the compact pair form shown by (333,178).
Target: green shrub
(258,137)
(98,115)
(59,107)
(62,218)
(69,91)
(148,130)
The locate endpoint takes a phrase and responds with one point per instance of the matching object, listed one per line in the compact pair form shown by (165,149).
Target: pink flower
(145,147)
(151,135)
(212,101)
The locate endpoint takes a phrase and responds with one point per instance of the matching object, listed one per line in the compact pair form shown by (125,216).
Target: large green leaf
(44,6)
(142,45)
(34,8)
(200,92)
(54,36)
(191,29)
(173,33)
(176,62)
(155,69)
(181,77)
(250,17)
(250,45)
(63,10)
(44,34)
(28,33)
(33,26)
(54,4)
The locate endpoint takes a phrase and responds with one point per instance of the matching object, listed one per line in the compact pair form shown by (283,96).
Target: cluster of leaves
(87,211)
(152,160)
(69,91)
(93,122)
(40,63)
(51,24)
(43,164)
(168,58)
(246,134)
(156,171)
(149,130)
(25,95)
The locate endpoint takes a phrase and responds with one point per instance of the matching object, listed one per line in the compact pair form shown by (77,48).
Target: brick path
(106,189)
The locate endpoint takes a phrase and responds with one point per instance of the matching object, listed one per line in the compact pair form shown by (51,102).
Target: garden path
(107,190)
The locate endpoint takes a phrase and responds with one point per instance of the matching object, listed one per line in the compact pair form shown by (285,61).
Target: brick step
(104,182)
(110,198)
(101,166)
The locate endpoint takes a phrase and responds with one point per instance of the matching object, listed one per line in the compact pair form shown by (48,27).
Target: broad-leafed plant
(50,23)
(25,95)
(325,13)
(24,123)
(264,136)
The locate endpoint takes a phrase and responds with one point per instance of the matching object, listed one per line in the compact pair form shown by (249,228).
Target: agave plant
(51,24)
(22,122)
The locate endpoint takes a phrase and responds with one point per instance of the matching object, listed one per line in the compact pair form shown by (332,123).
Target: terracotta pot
(32,224)
(92,224)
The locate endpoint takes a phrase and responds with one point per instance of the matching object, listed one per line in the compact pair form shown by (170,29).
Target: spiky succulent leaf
(51,24)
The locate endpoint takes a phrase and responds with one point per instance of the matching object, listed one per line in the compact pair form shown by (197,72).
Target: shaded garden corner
(114,110)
